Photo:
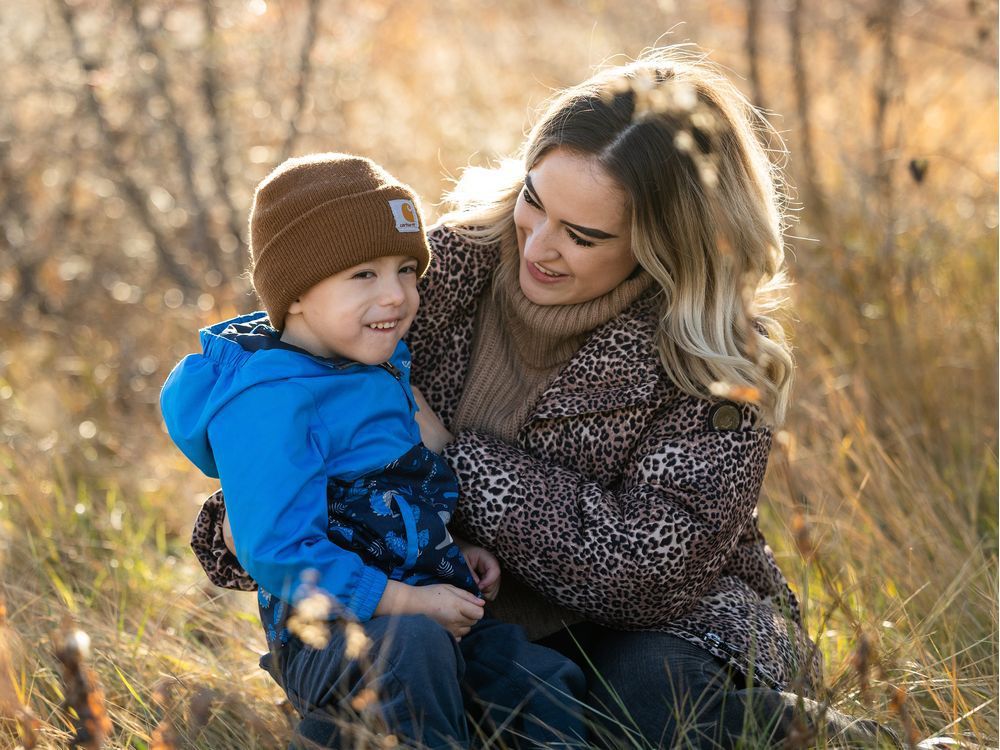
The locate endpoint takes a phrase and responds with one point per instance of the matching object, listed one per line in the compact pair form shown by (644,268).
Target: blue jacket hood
(202,384)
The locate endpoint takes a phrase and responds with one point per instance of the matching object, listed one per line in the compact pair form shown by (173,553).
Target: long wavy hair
(706,208)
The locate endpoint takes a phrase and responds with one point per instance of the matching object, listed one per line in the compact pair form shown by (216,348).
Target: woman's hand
(432,430)
(485,568)
(454,609)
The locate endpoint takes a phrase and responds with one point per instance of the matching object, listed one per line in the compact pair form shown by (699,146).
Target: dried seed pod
(861,660)
(803,538)
(200,706)
(357,641)
(310,620)
(165,736)
(898,706)
(918,169)
(83,692)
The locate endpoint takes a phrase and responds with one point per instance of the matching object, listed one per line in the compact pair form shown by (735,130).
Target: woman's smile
(544,275)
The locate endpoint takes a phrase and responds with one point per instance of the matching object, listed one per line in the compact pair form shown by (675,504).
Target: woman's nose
(538,244)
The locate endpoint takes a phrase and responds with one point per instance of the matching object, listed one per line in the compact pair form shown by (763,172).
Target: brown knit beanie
(317,215)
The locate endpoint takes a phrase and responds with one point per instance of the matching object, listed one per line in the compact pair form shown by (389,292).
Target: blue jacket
(321,464)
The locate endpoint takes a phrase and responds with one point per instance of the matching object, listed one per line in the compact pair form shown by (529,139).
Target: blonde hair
(706,205)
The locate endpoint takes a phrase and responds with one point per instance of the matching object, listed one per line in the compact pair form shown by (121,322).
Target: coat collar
(617,367)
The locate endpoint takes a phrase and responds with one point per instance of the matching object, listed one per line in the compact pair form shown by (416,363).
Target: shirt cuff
(368,593)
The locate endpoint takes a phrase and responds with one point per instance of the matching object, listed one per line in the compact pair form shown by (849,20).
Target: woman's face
(573,231)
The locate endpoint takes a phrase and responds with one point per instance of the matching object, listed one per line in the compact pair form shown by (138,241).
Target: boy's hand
(433,433)
(455,609)
(485,569)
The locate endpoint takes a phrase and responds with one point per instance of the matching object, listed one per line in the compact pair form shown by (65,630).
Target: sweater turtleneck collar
(546,336)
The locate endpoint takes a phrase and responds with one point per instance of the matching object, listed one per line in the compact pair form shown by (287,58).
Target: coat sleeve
(635,556)
(208,542)
(459,272)
(274,475)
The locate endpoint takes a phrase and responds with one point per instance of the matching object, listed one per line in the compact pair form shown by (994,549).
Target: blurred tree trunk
(210,97)
(134,195)
(202,242)
(887,86)
(815,201)
(753,54)
(14,231)
(302,79)
(31,240)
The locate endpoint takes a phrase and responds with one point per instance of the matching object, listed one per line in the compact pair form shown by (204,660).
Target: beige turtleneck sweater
(518,348)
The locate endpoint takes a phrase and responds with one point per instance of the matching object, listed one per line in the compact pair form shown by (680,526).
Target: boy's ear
(295,308)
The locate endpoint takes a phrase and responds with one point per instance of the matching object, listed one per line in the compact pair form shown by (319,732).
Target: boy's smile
(360,313)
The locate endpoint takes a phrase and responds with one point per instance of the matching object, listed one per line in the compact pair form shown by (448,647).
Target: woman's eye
(529,199)
(408,269)
(578,240)
(364,275)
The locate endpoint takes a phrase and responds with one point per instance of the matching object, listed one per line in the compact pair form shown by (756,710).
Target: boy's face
(360,313)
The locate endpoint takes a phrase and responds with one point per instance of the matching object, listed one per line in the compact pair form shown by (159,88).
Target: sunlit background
(132,133)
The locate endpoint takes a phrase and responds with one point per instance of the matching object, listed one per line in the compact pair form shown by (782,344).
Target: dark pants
(653,689)
(416,682)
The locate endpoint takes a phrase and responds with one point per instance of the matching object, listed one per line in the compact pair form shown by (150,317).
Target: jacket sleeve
(634,556)
(274,478)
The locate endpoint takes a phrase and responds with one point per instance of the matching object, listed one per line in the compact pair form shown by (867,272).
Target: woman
(585,303)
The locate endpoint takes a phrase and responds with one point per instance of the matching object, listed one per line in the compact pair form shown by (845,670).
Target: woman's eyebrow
(531,189)
(597,234)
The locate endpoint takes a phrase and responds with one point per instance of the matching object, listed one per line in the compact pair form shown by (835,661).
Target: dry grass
(887,471)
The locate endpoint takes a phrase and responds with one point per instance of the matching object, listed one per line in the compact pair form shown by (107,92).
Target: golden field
(131,136)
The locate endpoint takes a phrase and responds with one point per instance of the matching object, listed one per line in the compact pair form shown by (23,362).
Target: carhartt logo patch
(405,214)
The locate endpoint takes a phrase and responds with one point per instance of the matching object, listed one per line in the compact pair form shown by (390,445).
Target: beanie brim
(329,238)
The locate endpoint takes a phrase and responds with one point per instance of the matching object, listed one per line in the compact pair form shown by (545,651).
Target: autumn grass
(893,451)
(880,503)
(881,497)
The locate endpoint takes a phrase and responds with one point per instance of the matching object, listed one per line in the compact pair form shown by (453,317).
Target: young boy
(305,413)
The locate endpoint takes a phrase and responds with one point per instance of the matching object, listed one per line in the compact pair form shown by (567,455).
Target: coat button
(725,416)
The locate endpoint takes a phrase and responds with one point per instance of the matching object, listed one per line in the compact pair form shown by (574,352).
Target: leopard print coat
(623,498)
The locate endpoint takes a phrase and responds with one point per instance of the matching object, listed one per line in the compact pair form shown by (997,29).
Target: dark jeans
(653,689)
(418,683)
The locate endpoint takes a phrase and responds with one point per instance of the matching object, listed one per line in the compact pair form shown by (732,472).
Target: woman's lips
(541,277)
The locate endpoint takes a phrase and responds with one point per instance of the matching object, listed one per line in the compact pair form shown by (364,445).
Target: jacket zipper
(390,368)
